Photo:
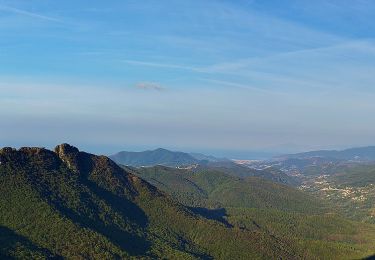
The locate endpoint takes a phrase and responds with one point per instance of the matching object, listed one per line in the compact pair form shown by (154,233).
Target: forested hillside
(254,203)
(213,187)
(75,205)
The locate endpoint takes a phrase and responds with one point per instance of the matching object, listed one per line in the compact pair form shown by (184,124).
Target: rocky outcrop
(69,155)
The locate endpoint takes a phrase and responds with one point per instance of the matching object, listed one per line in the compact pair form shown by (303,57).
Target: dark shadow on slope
(122,205)
(131,243)
(135,214)
(370,258)
(185,246)
(213,214)
(9,241)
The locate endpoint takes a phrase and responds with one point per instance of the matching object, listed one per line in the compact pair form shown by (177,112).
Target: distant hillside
(359,154)
(168,158)
(156,157)
(257,204)
(242,171)
(350,187)
(212,187)
(208,158)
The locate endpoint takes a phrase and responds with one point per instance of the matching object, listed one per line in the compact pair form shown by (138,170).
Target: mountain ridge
(159,156)
(366,153)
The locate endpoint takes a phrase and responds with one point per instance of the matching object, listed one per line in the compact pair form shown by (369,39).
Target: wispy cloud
(160,65)
(332,50)
(150,86)
(235,85)
(29,14)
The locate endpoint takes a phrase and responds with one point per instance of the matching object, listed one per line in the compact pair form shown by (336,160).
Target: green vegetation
(291,217)
(76,205)
(349,187)
(242,171)
(16,246)
(80,206)
(213,188)
(355,176)
(325,235)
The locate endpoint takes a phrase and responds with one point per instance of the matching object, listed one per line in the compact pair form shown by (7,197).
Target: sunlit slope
(211,187)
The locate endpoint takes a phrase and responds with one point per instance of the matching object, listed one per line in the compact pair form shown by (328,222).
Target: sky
(217,76)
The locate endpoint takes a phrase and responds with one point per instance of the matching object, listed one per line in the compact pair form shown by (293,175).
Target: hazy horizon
(207,76)
(256,154)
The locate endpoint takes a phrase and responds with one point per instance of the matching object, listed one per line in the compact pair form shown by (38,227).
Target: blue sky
(192,75)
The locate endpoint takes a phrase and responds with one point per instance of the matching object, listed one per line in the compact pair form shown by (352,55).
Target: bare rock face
(69,155)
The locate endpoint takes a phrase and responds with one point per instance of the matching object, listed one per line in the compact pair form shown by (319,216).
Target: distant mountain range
(199,162)
(169,158)
(358,154)
(161,156)
(209,158)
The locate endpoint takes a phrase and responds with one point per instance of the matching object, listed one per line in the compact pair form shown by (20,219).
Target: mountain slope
(215,188)
(208,158)
(156,157)
(242,171)
(257,204)
(350,187)
(16,246)
(179,159)
(76,205)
